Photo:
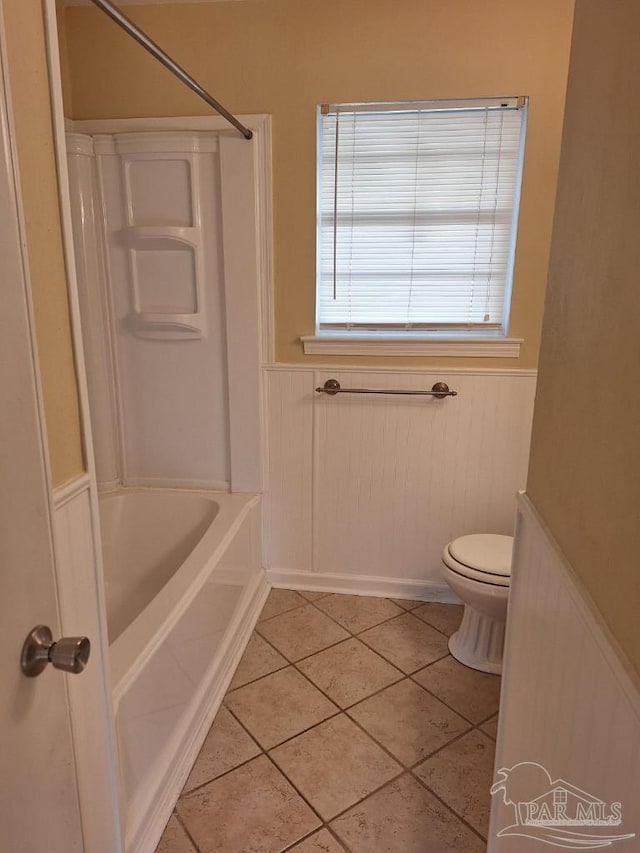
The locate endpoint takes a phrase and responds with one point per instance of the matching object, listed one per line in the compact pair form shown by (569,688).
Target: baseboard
(149,832)
(362,585)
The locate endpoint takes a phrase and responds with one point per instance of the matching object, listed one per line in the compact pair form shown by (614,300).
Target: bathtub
(184,587)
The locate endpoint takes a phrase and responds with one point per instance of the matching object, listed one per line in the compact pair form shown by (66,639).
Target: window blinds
(417,214)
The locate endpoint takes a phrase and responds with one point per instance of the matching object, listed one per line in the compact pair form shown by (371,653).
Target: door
(39,811)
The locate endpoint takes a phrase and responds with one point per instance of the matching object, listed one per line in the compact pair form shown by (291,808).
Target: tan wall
(65,73)
(285,56)
(584,476)
(31,108)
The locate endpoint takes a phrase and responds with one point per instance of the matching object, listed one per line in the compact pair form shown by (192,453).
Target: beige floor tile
(279,706)
(349,672)
(226,746)
(301,632)
(444,617)
(403,817)
(358,612)
(312,596)
(406,642)
(280,601)
(461,775)
(406,603)
(253,808)
(408,721)
(320,842)
(259,659)
(334,765)
(175,839)
(473,694)
(491,727)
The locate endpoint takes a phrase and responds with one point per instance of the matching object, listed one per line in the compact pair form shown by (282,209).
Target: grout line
(435,696)
(409,767)
(268,749)
(339,712)
(220,776)
(304,837)
(358,640)
(366,797)
(486,720)
(282,612)
(346,708)
(320,595)
(377,742)
(484,734)
(279,668)
(354,634)
(404,769)
(377,624)
(298,660)
(401,677)
(449,808)
(319,689)
(311,604)
(298,792)
(382,656)
(388,660)
(187,833)
(269,643)
(302,731)
(439,749)
(309,835)
(337,837)
(242,725)
(444,702)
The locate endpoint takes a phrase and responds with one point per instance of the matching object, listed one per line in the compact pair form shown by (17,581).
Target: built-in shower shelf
(149,320)
(166,234)
(150,324)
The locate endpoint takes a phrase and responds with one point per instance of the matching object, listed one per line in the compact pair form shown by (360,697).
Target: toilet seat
(483,557)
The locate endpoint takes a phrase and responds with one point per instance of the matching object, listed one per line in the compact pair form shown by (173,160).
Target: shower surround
(169,231)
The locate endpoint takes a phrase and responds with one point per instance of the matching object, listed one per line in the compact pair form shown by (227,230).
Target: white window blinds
(417,210)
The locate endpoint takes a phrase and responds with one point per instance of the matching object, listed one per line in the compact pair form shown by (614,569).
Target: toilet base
(479,641)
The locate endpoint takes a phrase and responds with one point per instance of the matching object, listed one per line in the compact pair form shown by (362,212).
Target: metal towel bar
(332,387)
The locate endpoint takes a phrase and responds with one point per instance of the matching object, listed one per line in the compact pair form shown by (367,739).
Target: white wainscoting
(79,572)
(364,490)
(570,701)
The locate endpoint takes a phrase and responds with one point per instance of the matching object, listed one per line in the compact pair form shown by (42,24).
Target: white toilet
(478,569)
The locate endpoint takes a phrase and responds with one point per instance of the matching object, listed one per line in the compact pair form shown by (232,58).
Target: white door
(39,810)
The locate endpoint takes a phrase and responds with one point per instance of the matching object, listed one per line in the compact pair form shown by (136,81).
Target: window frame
(455,342)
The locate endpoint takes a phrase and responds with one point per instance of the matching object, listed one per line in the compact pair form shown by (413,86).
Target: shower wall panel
(161,206)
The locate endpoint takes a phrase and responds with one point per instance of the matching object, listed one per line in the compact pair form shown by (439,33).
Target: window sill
(463,347)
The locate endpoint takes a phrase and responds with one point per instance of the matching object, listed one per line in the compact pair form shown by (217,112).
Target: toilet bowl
(478,569)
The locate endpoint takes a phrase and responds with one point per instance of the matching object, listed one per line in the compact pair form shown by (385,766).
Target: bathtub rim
(131,650)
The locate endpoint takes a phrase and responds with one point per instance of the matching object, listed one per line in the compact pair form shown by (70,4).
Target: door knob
(69,654)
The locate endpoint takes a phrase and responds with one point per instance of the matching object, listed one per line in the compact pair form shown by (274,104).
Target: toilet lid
(489,553)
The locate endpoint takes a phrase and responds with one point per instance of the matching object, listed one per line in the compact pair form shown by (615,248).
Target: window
(417,216)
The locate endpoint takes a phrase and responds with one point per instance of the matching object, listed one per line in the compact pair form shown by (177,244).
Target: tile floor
(347,727)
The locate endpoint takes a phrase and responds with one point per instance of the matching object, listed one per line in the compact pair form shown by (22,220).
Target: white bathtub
(184,587)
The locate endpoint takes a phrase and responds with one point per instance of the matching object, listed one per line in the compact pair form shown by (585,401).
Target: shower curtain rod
(148,44)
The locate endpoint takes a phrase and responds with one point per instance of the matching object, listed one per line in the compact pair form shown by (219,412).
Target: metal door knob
(69,654)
